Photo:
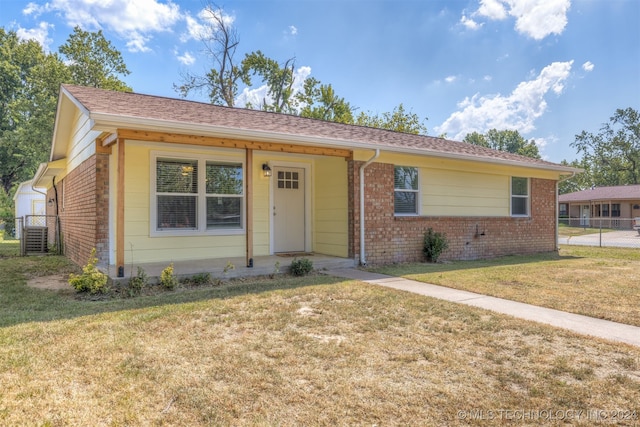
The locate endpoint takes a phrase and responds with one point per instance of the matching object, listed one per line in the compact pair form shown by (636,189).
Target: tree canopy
(29,88)
(504,140)
(612,155)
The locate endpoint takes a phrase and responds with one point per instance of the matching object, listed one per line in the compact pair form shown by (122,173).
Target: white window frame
(417,191)
(527,197)
(201,213)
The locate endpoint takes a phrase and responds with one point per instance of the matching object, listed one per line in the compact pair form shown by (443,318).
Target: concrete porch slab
(262,266)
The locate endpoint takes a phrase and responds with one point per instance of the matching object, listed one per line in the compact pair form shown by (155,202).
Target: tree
(220,41)
(613,154)
(24,135)
(504,140)
(580,181)
(279,80)
(399,120)
(94,61)
(29,85)
(318,101)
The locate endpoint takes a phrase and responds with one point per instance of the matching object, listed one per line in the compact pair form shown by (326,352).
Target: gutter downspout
(363,260)
(558,206)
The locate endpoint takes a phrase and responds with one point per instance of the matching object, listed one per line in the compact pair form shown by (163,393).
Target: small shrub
(228,268)
(200,279)
(168,278)
(434,244)
(138,282)
(276,269)
(91,279)
(301,267)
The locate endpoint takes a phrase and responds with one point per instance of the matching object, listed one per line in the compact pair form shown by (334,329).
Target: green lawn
(290,351)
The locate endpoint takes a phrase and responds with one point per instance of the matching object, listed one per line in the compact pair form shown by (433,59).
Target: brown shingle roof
(621,192)
(148,107)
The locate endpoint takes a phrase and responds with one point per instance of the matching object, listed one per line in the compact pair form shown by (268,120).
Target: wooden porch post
(120,211)
(249,205)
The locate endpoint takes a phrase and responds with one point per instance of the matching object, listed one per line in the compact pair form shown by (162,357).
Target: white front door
(584,218)
(288,209)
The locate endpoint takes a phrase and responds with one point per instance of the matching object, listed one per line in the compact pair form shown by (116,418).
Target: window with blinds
(224,195)
(405,190)
(198,195)
(177,193)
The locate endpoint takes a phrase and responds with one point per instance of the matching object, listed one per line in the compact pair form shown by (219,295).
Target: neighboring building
(28,201)
(611,207)
(166,180)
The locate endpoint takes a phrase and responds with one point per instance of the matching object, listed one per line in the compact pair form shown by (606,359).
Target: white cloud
(492,9)
(134,21)
(588,66)
(255,97)
(519,110)
(186,58)
(534,18)
(450,79)
(487,78)
(293,30)
(33,9)
(470,24)
(39,34)
(206,24)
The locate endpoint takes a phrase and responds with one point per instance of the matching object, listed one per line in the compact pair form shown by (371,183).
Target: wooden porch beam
(208,141)
(120,211)
(248,197)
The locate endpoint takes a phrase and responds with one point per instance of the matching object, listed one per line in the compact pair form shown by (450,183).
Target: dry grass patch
(334,353)
(597,282)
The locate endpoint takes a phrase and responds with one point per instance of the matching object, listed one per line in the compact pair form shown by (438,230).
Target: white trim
(218,156)
(308,244)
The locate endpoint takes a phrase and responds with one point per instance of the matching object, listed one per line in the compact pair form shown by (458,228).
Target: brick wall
(84,214)
(391,239)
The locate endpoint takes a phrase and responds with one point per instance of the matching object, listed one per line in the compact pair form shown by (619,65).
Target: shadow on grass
(20,303)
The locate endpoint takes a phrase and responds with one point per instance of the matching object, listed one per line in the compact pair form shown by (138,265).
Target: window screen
(406,190)
(519,196)
(177,194)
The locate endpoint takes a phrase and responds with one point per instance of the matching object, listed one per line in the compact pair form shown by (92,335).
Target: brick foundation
(391,239)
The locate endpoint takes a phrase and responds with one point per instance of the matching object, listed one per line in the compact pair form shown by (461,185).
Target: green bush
(301,267)
(138,282)
(199,279)
(91,279)
(168,278)
(434,244)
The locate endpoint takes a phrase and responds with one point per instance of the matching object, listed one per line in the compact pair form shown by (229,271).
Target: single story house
(29,201)
(157,179)
(611,207)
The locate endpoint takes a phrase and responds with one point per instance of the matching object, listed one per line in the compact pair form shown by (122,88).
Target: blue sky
(547,68)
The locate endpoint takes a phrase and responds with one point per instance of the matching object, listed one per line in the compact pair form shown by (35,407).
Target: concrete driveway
(619,239)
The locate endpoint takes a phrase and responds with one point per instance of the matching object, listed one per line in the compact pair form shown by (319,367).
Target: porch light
(266,170)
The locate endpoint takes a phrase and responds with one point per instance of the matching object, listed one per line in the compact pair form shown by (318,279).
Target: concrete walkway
(574,322)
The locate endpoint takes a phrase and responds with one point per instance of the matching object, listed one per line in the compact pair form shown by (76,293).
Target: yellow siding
(139,245)
(449,193)
(462,188)
(330,230)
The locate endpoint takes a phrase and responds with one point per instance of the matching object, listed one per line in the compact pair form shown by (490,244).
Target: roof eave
(111,122)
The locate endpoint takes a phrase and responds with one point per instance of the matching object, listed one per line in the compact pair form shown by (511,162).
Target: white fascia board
(110,123)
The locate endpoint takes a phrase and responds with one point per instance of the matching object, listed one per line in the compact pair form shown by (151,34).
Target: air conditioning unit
(36,239)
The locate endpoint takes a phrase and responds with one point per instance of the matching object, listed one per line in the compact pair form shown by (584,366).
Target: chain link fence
(602,232)
(38,234)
